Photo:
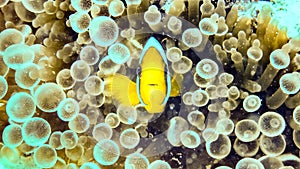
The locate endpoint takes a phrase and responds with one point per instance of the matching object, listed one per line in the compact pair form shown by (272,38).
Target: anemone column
(289,84)
(279,59)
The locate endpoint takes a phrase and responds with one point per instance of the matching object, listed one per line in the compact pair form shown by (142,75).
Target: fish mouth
(152,84)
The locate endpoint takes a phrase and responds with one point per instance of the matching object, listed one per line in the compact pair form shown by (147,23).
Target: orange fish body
(152,88)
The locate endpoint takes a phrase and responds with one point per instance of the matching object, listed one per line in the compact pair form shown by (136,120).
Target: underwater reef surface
(156,84)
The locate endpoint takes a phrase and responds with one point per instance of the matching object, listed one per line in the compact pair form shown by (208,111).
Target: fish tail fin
(122,89)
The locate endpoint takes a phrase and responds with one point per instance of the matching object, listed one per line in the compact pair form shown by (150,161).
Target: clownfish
(153,85)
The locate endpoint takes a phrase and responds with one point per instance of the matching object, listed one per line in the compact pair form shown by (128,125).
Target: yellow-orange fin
(156,99)
(176,84)
(123,90)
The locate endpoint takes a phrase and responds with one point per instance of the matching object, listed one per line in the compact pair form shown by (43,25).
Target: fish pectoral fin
(155,108)
(156,102)
(123,90)
(176,85)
